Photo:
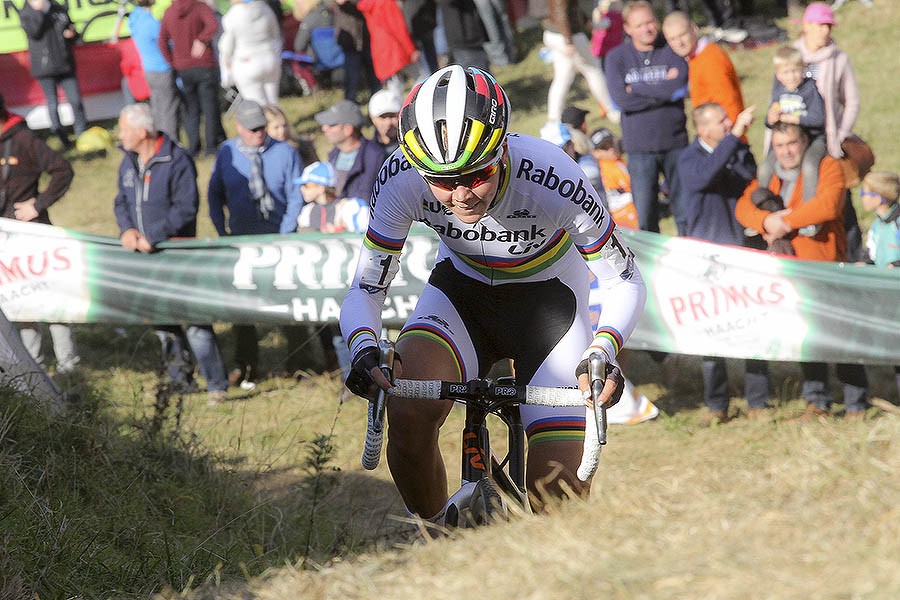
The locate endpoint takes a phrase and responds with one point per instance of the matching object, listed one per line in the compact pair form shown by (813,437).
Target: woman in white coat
(250,51)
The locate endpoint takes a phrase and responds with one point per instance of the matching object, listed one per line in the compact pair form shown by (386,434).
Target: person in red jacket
(819,223)
(185,40)
(389,39)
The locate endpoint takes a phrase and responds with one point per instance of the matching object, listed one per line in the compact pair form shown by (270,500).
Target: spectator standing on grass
(648,82)
(465,34)
(25,159)
(250,50)
(157,200)
(355,158)
(570,51)
(608,29)
(829,243)
(384,110)
(51,36)
(836,81)
(165,99)
(715,170)
(254,181)
(880,194)
(353,37)
(421,21)
(186,37)
(711,74)
(391,45)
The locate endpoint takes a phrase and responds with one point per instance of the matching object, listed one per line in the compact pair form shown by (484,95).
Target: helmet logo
(493,117)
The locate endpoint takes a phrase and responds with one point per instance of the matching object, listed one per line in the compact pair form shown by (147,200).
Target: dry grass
(747,510)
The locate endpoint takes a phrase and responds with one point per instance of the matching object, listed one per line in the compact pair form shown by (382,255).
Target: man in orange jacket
(819,223)
(711,74)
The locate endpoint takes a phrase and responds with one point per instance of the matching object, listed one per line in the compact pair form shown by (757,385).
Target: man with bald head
(715,169)
(711,74)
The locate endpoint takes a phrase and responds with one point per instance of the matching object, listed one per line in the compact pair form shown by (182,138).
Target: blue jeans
(852,377)
(644,168)
(715,383)
(70,86)
(201,339)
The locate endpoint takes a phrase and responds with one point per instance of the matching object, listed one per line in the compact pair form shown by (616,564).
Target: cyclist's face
(469,204)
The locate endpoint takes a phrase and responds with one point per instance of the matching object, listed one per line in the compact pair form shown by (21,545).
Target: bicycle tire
(486,505)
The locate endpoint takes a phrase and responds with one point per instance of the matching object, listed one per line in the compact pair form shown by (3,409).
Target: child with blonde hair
(795,99)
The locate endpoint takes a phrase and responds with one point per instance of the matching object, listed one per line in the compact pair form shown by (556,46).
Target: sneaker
(247,385)
(215,398)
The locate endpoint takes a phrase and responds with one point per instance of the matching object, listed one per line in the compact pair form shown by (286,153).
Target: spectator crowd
(794,198)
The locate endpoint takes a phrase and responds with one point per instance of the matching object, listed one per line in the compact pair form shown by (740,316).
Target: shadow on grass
(95,506)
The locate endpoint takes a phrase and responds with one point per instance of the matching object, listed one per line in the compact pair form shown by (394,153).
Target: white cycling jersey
(546,220)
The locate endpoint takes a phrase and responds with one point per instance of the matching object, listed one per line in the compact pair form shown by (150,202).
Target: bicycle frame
(478,457)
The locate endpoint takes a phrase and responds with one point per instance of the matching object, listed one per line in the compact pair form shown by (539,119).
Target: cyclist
(517,221)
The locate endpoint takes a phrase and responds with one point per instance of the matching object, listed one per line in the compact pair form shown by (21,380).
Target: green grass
(132,494)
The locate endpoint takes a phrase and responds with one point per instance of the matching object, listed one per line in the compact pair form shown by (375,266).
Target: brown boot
(855,415)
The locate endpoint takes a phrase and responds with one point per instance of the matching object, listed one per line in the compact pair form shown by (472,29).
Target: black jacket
(51,53)
(29,157)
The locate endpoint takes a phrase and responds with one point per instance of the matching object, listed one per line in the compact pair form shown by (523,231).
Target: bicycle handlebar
(595,413)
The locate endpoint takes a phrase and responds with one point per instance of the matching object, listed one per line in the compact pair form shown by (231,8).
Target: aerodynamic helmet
(454,121)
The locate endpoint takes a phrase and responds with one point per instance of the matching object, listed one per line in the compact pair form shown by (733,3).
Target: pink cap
(819,12)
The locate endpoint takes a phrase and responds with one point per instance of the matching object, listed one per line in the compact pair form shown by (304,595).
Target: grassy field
(263,497)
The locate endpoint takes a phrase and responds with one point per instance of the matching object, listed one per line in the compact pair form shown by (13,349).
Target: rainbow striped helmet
(454,121)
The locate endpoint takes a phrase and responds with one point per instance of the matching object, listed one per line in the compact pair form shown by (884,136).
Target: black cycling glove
(359,380)
(613,371)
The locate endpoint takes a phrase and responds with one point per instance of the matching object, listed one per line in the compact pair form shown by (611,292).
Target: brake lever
(597,372)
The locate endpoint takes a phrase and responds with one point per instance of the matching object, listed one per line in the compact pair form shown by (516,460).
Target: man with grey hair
(150,210)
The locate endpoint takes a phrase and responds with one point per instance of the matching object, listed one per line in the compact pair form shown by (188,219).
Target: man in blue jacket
(355,158)
(158,200)
(648,83)
(255,179)
(715,170)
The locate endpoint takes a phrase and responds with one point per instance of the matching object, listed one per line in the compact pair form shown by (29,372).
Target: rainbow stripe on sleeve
(379,243)
(613,336)
(592,251)
(360,334)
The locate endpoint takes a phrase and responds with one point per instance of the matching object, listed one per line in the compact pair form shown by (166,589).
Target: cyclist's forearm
(623,303)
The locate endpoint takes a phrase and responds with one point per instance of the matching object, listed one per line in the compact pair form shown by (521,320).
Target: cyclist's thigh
(558,370)
(435,342)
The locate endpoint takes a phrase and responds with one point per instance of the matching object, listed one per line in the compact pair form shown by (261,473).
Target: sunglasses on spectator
(258,129)
(470,180)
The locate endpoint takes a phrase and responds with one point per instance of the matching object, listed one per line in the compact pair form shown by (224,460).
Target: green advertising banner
(703,298)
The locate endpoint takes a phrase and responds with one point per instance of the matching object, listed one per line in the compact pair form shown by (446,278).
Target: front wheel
(486,505)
